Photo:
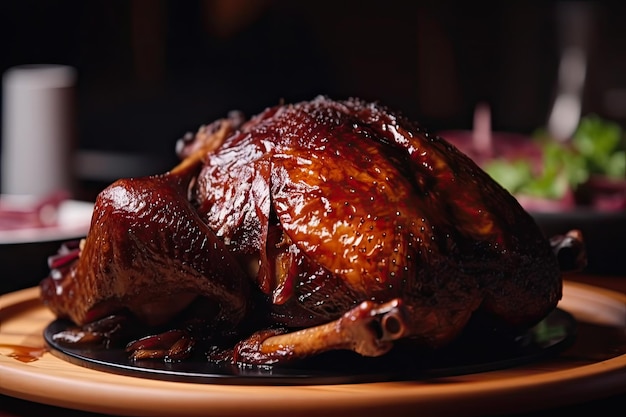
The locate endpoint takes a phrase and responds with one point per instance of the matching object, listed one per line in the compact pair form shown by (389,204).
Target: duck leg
(368,329)
(149,252)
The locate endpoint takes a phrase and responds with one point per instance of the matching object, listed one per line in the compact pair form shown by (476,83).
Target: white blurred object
(38,129)
(575,20)
(567,108)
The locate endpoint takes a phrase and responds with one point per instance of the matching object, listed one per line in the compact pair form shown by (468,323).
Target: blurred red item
(18,212)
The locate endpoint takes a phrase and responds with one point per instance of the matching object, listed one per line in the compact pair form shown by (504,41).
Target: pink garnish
(67,253)
(39,213)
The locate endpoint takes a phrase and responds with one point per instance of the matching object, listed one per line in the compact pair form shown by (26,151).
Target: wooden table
(613,404)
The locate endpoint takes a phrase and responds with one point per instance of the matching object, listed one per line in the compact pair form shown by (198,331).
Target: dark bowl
(25,264)
(604,234)
(24,252)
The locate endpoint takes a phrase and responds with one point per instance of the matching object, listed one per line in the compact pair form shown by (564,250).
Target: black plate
(480,348)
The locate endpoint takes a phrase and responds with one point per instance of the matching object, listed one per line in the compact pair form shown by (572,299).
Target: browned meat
(351,226)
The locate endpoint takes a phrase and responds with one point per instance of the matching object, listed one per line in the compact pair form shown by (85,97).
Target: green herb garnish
(598,147)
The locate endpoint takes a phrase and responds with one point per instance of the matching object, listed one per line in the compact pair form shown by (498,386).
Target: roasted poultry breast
(313,226)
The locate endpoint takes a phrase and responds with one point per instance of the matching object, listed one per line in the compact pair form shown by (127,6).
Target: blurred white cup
(38,129)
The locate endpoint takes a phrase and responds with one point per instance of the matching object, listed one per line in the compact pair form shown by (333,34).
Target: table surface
(609,406)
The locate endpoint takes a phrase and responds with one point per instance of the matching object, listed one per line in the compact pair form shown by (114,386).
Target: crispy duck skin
(147,251)
(348,213)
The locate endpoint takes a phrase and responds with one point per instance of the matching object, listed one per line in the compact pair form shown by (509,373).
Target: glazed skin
(313,226)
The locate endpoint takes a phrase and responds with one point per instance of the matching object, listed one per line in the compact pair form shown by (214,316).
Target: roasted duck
(310,227)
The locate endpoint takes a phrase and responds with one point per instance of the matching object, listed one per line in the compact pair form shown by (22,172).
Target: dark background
(151,70)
